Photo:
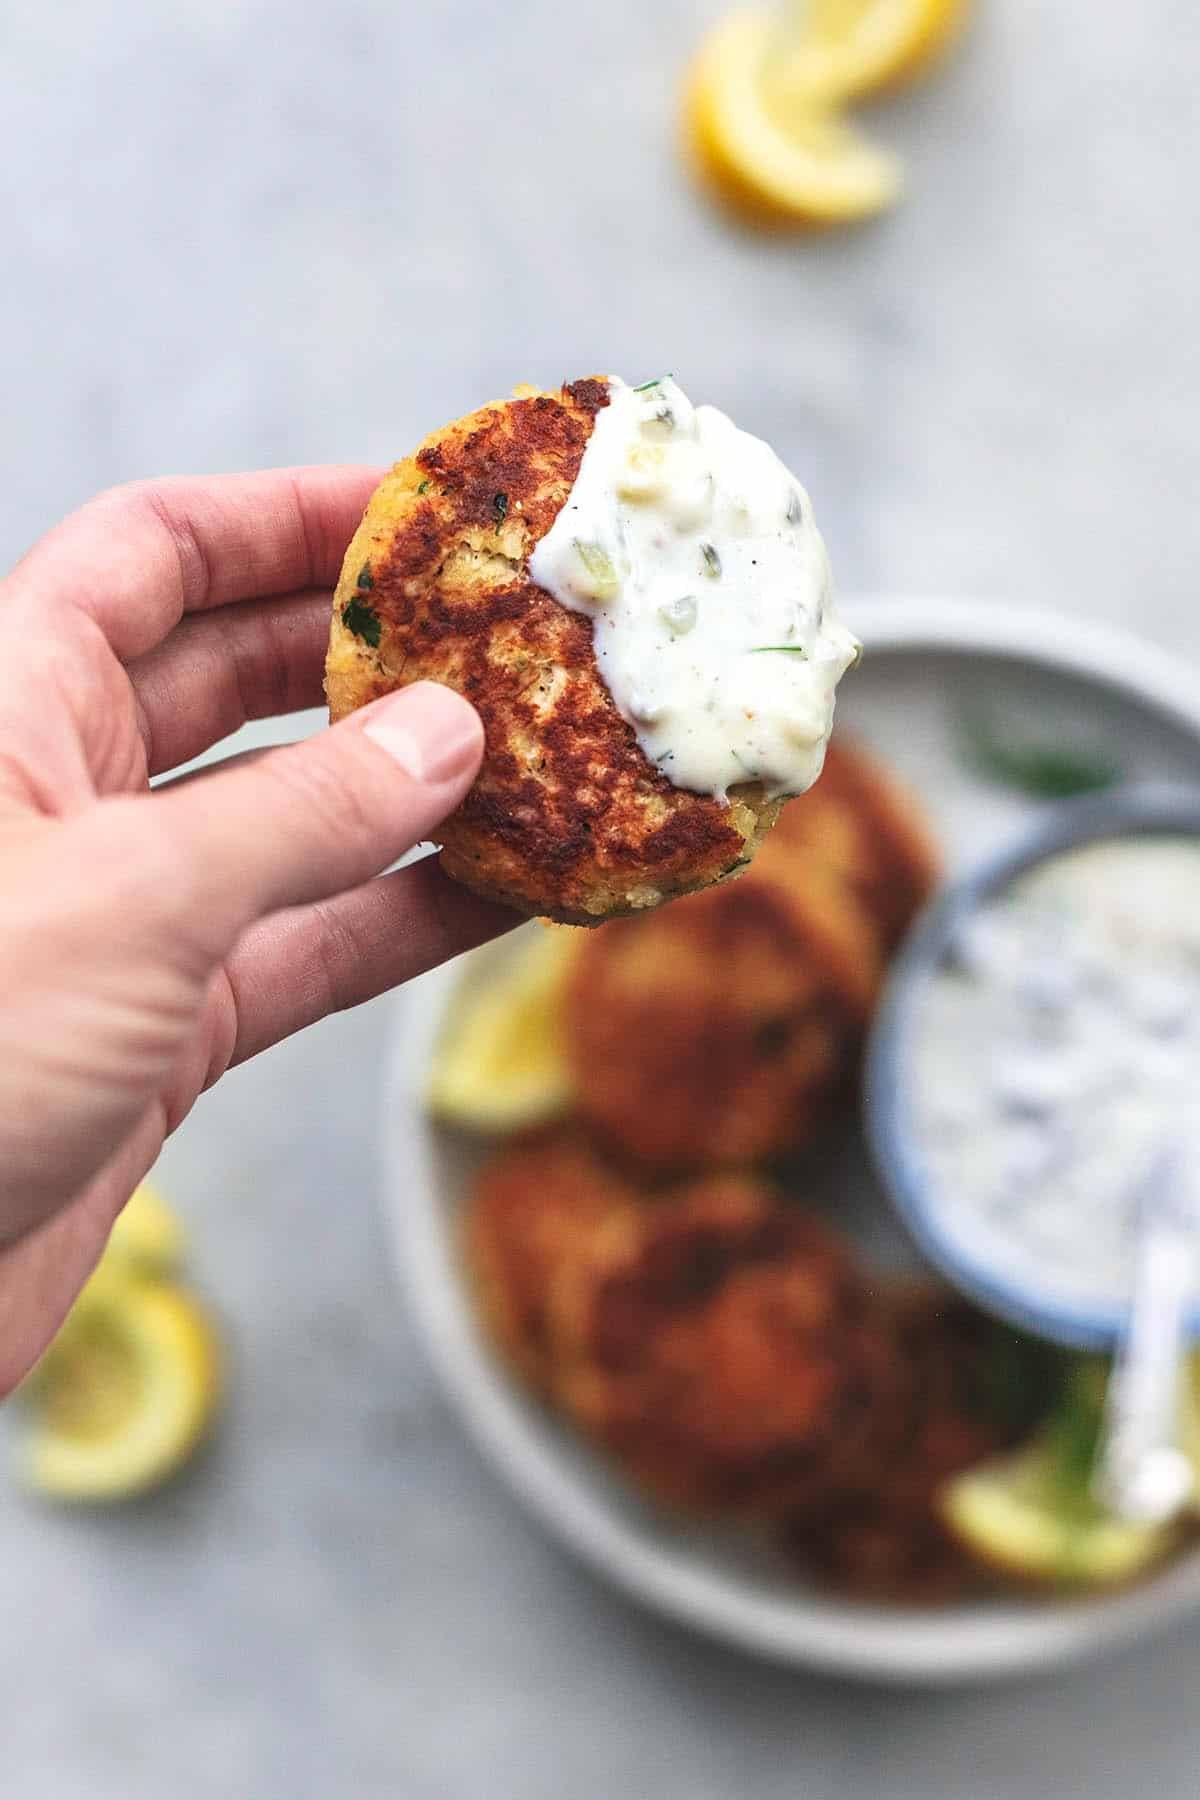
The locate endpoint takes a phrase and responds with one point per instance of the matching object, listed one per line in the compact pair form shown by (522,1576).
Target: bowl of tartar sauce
(1039,1042)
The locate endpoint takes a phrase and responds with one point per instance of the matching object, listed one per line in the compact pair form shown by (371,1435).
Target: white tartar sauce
(696,556)
(1055,1051)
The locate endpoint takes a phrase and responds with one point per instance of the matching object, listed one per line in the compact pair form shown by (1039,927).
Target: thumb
(308,821)
(111,926)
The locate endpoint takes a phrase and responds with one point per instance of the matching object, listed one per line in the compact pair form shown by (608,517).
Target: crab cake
(719,1031)
(587,805)
(860,826)
(865,1547)
(701,1340)
(533,1208)
(955,1389)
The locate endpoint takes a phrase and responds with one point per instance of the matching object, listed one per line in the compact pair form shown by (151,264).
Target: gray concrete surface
(241,234)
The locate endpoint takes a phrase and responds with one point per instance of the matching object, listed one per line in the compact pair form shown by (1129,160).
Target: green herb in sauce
(366,581)
(711,559)
(644,387)
(777,650)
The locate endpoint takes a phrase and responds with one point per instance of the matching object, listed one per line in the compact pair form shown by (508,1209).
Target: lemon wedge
(1189,1421)
(125,1393)
(777,163)
(500,1063)
(844,49)
(1009,1517)
(1032,1515)
(147,1235)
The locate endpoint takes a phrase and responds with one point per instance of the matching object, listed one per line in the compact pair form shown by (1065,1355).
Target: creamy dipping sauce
(1055,1051)
(696,556)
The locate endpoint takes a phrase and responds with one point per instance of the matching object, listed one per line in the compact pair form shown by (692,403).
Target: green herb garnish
(1044,771)
(363,621)
(423,485)
(778,650)
(500,508)
(1072,1433)
(643,387)
(366,581)
(1014,1382)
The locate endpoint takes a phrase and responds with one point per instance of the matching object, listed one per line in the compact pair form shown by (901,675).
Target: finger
(138,901)
(235,760)
(42,1271)
(301,823)
(216,670)
(295,968)
(137,558)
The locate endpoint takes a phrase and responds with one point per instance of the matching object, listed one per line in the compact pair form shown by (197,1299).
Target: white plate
(926,661)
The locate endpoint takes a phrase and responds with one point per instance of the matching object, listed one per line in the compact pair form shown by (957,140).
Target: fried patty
(718,1032)
(873,1529)
(859,826)
(721,1031)
(724,1346)
(534,1209)
(701,1340)
(568,819)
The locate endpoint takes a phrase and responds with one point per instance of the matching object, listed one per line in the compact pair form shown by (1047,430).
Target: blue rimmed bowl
(890,1097)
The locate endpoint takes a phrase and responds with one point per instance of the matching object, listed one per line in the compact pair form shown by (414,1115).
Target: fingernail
(432,732)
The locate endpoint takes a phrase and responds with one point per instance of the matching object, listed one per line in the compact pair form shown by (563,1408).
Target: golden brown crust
(720,1031)
(700,1340)
(532,1210)
(724,1030)
(867,1547)
(873,1528)
(568,819)
(862,828)
(723,1345)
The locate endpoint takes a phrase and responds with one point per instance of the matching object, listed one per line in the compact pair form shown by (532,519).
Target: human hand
(148,941)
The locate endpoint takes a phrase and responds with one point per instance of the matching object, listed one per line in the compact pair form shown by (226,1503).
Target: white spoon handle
(1142,1474)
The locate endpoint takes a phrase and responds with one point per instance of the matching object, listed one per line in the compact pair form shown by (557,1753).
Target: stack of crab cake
(640,1269)
(724,1346)
(726,1029)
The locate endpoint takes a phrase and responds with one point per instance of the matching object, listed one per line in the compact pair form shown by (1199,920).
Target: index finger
(136,558)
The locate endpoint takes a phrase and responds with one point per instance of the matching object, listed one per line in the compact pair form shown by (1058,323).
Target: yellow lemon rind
(175,1364)
(996,1513)
(893,44)
(500,1063)
(147,1234)
(822,172)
